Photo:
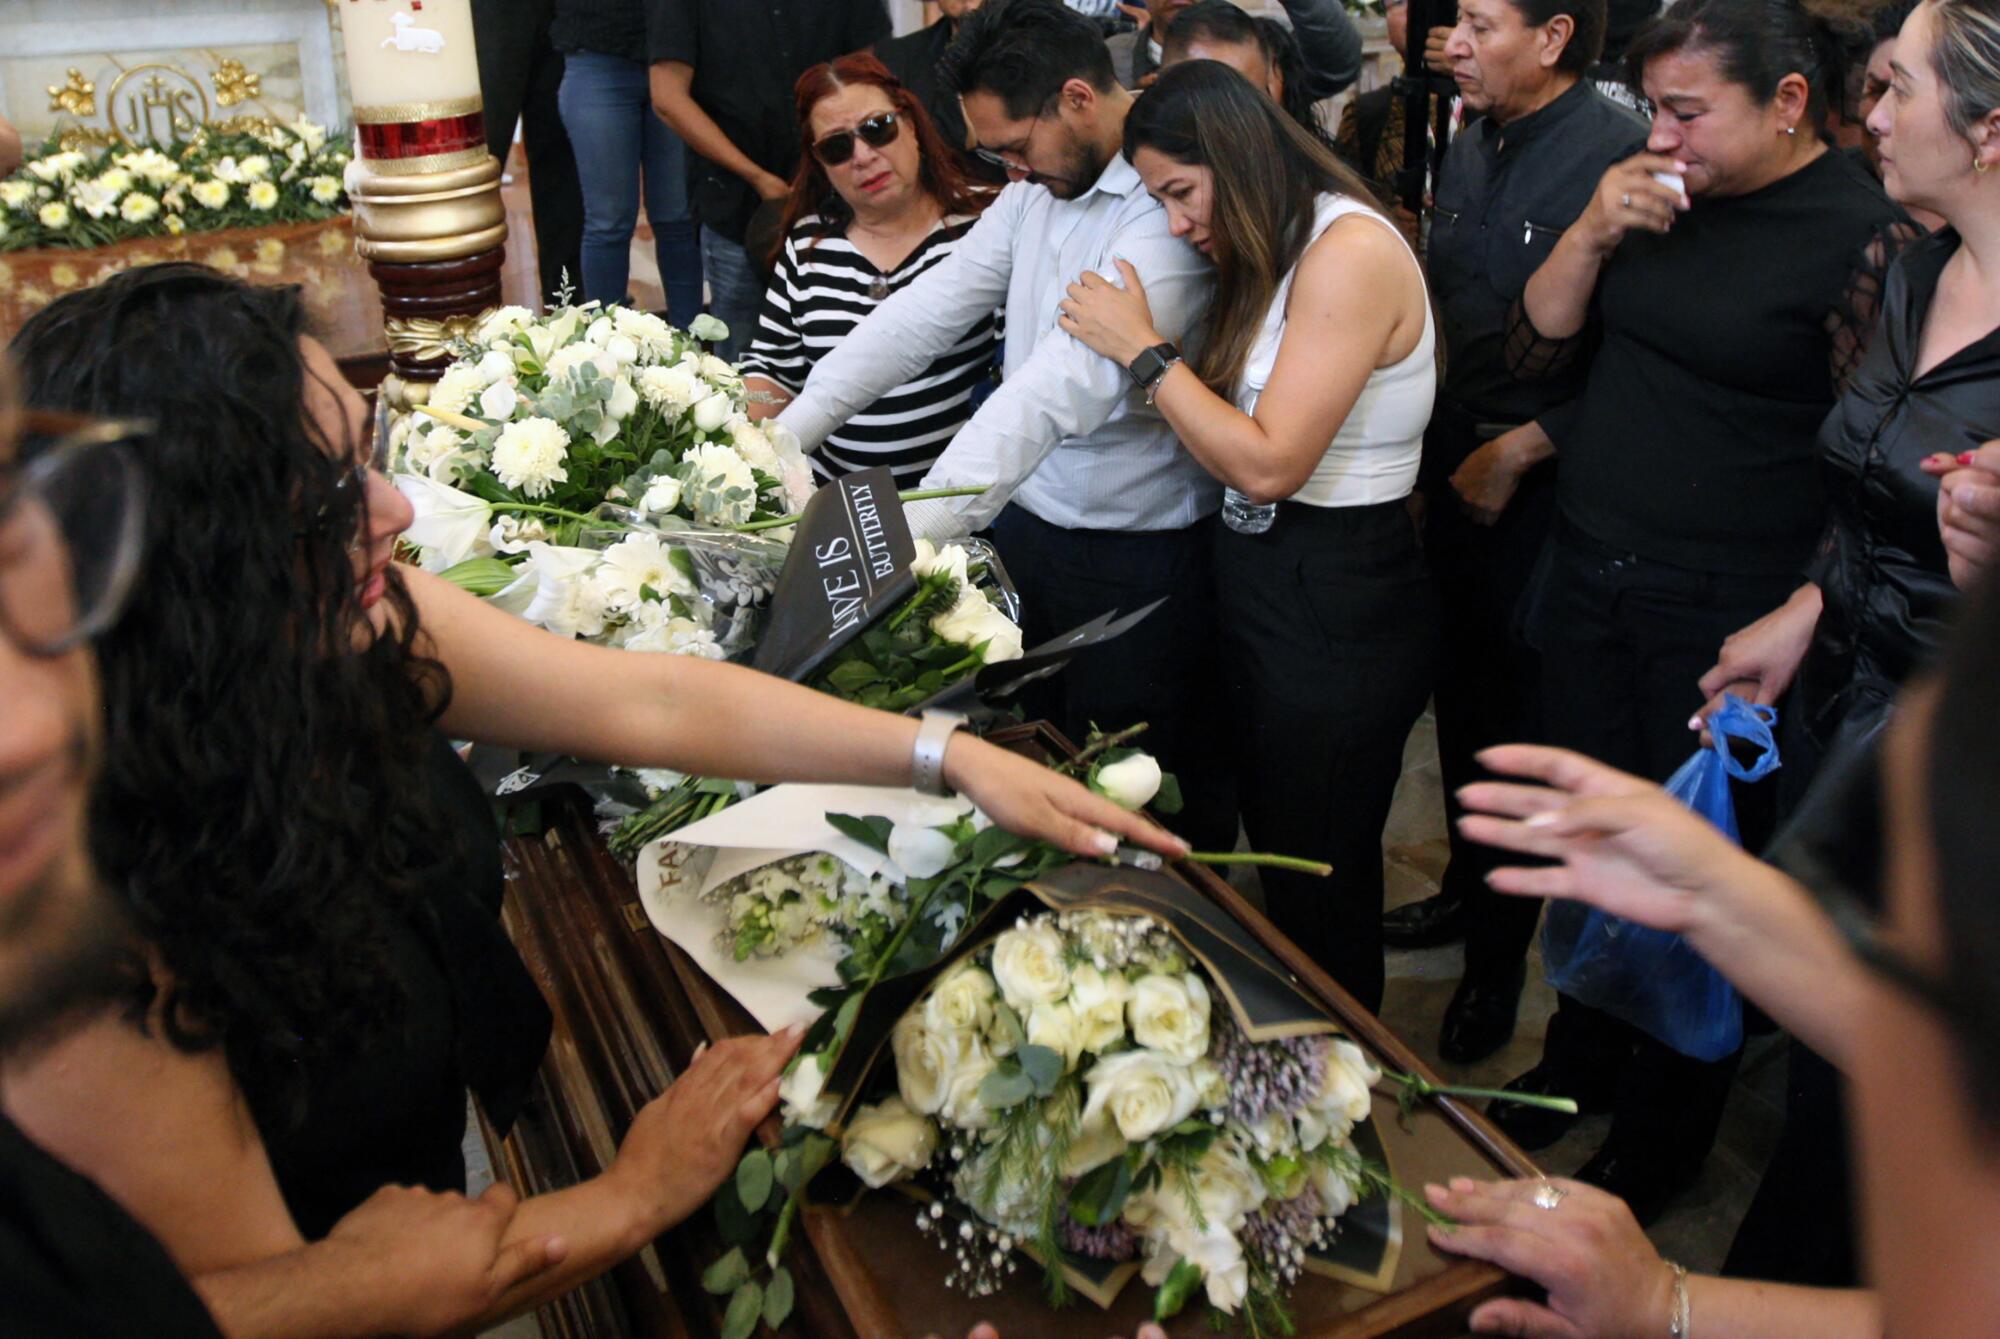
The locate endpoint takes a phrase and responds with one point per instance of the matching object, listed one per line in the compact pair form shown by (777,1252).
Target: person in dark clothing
(722,77)
(520,77)
(1688,496)
(1879,593)
(1371,135)
(1329,44)
(913,58)
(1512,180)
(607,108)
(1262,50)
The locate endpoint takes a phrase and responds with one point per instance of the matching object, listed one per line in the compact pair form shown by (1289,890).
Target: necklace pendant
(879,289)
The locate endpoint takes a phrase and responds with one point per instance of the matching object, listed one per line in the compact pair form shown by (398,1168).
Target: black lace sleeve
(1853,319)
(1533,356)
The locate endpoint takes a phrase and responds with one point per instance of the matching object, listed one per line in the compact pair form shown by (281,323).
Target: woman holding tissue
(1722,284)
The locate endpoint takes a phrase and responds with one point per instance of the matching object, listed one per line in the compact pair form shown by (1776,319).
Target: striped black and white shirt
(822,288)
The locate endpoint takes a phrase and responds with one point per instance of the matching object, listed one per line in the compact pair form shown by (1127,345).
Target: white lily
(450,525)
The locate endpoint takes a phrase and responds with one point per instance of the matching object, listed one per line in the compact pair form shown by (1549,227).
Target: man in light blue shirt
(1092,500)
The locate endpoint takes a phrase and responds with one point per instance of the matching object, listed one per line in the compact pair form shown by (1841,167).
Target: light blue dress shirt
(1067,435)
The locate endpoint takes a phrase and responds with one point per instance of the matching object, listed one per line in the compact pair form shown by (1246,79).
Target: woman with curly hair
(313,874)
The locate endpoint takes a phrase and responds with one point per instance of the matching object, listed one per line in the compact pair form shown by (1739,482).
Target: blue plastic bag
(1649,978)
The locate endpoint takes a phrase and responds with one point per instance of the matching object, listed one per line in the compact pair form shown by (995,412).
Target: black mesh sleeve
(1853,319)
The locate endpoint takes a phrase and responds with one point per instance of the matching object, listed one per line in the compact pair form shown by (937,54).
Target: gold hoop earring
(1979,165)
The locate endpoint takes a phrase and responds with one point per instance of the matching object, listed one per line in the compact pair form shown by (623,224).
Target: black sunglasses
(879,130)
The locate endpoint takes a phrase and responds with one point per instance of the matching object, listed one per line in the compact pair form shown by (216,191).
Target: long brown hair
(1268,171)
(812,190)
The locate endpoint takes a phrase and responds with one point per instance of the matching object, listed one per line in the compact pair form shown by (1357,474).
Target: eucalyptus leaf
(1042,1066)
(778,1297)
(753,1179)
(1006,1086)
(727,1274)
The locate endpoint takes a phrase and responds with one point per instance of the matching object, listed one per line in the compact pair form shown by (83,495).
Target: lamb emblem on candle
(409,37)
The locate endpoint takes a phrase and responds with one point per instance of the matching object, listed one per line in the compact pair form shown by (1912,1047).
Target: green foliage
(746,1308)
(1174,1293)
(727,1274)
(754,1179)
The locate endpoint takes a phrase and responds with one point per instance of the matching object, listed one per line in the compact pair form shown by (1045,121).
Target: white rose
(712,412)
(1226,1186)
(1336,1193)
(1099,1000)
(494,365)
(529,456)
(662,495)
(1169,1014)
(961,1002)
(449,525)
(623,349)
(1056,1027)
(968,1063)
(922,1058)
(499,400)
(1130,783)
(1096,1143)
(1224,1272)
(1349,1077)
(931,560)
(887,1142)
(800,1093)
(920,850)
(623,399)
(973,621)
(1028,964)
(1141,1092)
(708,329)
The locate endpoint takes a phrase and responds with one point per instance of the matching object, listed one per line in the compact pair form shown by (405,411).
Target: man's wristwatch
(927,756)
(1151,367)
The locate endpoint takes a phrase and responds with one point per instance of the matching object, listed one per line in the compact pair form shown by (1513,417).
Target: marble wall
(120,47)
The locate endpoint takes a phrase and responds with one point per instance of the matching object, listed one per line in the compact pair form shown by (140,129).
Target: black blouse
(472,1018)
(609,27)
(1881,566)
(1692,442)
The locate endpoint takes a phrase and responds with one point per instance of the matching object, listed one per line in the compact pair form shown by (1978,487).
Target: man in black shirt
(723,77)
(1511,181)
(913,58)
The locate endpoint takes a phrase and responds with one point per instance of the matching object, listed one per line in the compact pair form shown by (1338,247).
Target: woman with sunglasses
(311,870)
(879,199)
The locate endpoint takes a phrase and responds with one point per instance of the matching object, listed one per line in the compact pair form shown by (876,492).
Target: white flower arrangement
(802,900)
(271,174)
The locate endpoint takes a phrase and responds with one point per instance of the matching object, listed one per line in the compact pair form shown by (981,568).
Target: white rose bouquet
(266,173)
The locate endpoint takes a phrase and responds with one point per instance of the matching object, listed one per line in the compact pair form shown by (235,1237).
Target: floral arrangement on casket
(275,173)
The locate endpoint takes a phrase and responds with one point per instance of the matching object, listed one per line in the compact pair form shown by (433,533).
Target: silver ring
(1548,1195)
(1625,201)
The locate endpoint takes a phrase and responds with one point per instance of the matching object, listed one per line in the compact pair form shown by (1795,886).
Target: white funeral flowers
(887,1142)
(529,456)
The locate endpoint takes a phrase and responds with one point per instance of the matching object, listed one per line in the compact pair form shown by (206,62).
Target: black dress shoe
(1646,1181)
(1534,1127)
(1480,1018)
(1437,919)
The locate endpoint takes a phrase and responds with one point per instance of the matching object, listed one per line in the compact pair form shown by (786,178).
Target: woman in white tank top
(1306,393)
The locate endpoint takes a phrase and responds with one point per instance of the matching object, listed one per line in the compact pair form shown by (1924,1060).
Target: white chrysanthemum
(138,207)
(455,390)
(654,337)
(753,445)
(116,180)
(529,456)
(501,323)
(255,168)
(14,192)
(718,373)
(326,190)
(636,564)
(669,389)
(54,214)
(262,195)
(211,194)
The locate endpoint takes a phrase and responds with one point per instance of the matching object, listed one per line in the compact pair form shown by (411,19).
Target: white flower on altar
(499,400)
(618,406)
(155,167)
(637,563)
(1171,1016)
(669,389)
(261,195)
(94,198)
(529,456)
(138,207)
(1130,782)
(325,190)
(708,329)
(454,391)
(502,322)
(712,412)
(800,1093)
(448,526)
(57,166)
(654,337)
(1099,999)
(176,225)
(1143,1093)
(295,153)
(210,194)
(313,135)
(1028,962)
(494,366)
(255,168)
(14,192)
(54,214)
(961,1001)
(227,169)
(887,1142)
(661,496)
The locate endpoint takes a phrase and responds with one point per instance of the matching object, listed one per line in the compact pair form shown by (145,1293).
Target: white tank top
(1374,456)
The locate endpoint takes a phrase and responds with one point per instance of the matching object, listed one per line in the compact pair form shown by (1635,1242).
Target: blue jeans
(736,291)
(607,108)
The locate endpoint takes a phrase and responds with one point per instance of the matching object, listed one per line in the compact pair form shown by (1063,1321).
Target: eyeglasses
(1014,159)
(879,130)
(354,483)
(72,529)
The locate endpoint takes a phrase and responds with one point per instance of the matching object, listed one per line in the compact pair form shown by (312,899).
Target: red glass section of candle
(420,139)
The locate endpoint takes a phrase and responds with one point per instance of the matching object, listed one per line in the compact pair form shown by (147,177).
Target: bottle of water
(1245,517)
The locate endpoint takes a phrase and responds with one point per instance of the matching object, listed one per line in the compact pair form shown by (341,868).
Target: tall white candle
(405,52)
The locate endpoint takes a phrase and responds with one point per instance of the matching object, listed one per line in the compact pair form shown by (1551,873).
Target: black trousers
(1488,692)
(1624,641)
(520,78)
(1162,672)
(1329,634)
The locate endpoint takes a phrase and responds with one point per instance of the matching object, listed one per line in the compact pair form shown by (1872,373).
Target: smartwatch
(1151,365)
